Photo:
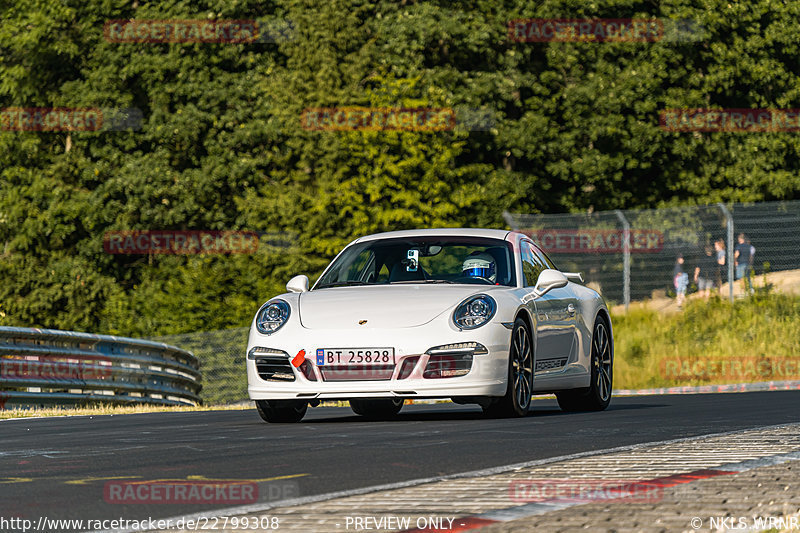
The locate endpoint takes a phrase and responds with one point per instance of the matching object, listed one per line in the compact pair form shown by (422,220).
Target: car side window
(543,258)
(532,266)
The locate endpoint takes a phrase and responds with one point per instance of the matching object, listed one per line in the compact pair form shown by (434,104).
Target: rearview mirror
(298,284)
(549,279)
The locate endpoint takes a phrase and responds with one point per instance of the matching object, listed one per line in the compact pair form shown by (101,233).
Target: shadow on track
(452,412)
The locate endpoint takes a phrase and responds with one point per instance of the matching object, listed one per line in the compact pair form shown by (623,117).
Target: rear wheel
(517,399)
(382,409)
(598,395)
(282,411)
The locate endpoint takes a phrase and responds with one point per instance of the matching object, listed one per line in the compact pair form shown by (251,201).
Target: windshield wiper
(348,283)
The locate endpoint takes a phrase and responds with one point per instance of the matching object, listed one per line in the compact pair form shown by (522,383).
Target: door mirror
(549,279)
(298,284)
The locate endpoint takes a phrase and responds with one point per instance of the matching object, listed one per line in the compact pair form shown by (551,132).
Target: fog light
(474,348)
(255,351)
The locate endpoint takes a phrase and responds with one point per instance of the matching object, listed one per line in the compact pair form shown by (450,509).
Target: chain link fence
(222,362)
(631,254)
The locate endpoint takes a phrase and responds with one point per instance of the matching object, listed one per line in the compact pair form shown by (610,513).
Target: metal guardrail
(45,367)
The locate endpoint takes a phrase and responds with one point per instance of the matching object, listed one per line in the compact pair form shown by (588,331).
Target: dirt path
(785,281)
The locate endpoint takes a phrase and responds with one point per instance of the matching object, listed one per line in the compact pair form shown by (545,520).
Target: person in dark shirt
(705,272)
(680,280)
(742,256)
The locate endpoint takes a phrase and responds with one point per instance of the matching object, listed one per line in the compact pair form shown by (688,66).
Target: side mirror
(298,284)
(549,279)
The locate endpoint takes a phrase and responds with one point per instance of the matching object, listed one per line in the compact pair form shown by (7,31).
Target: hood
(385,306)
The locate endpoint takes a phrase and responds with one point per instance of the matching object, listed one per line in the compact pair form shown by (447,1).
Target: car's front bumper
(486,377)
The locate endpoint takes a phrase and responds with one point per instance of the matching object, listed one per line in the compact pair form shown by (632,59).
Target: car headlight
(474,312)
(272,316)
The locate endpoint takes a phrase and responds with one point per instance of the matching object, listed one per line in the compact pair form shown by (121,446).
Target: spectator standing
(742,256)
(705,271)
(680,280)
(719,249)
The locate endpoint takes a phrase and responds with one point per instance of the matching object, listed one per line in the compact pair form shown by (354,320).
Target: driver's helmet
(479,265)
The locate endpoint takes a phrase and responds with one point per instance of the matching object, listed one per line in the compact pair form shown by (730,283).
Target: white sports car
(475,315)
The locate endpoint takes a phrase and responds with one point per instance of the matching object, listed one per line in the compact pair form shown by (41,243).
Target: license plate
(355,356)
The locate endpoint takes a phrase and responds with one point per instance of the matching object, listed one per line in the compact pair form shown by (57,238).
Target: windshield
(422,260)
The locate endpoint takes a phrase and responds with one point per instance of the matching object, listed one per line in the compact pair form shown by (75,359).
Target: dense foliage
(221,145)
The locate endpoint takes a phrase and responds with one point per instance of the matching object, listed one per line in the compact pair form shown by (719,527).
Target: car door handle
(571,310)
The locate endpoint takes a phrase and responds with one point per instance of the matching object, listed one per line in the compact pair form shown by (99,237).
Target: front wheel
(598,395)
(517,399)
(282,411)
(377,409)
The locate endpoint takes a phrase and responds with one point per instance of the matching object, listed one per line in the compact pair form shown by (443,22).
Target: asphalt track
(58,467)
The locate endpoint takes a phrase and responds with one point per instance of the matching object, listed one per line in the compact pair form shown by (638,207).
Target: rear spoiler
(574,276)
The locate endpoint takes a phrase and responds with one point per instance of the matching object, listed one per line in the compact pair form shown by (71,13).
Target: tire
(383,409)
(517,399)
(282,411)
(598,395)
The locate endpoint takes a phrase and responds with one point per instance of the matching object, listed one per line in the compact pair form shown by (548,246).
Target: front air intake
(450,365)
(274,368)
(408,367)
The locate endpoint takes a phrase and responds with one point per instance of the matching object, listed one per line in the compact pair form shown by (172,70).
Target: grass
(710,342)
(97,410)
